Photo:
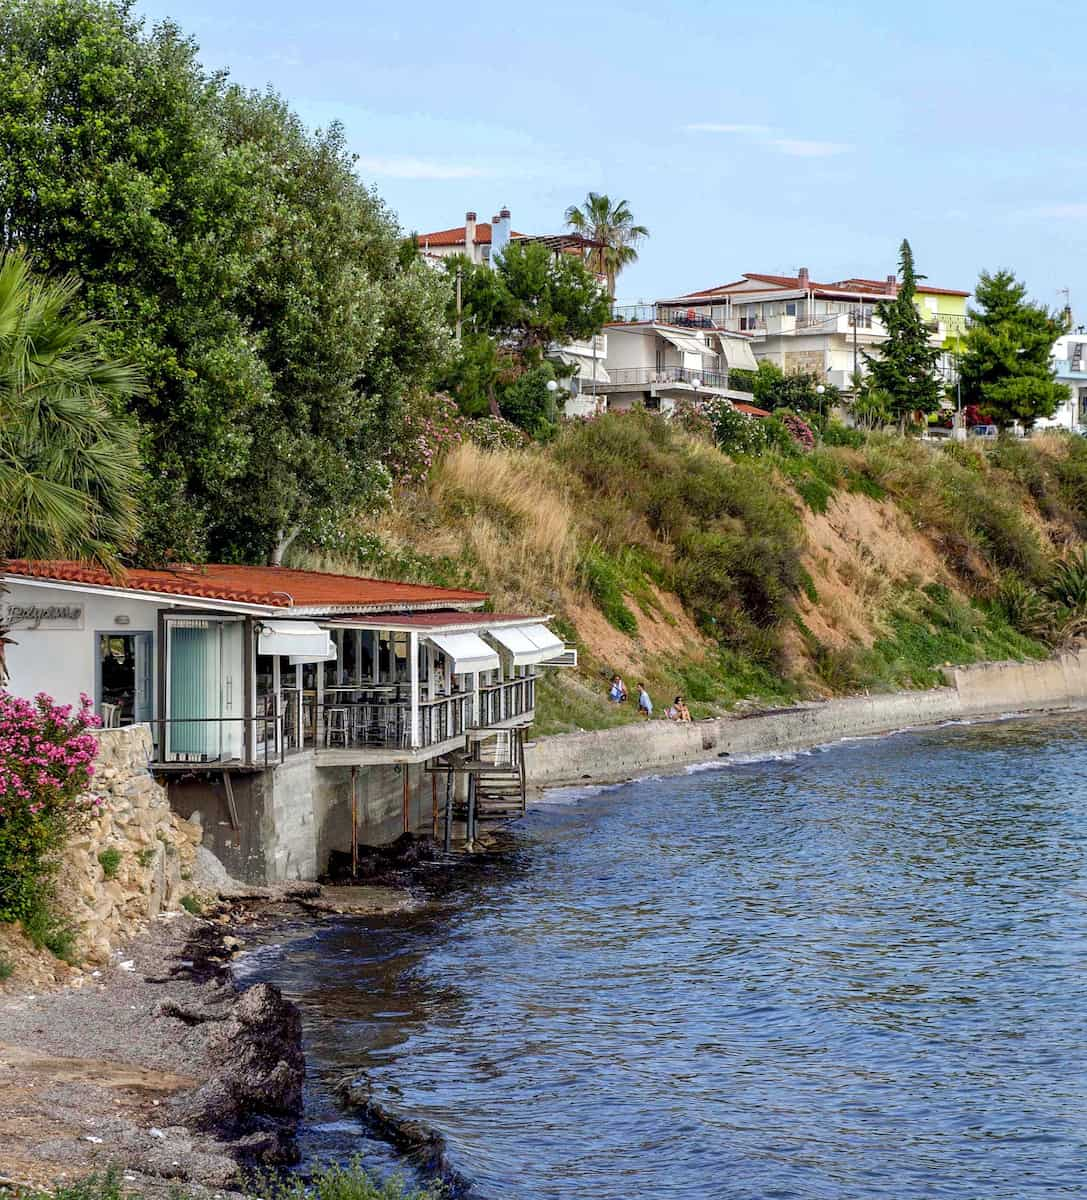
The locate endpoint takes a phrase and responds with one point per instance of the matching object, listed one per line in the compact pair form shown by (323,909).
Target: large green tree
(905,369)
(69,466)
(514,314)
(610,226)
(1006,367)
(233,256)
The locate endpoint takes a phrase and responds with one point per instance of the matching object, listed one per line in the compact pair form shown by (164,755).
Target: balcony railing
(504,701)
(623,378)
(218,741)
(387,724)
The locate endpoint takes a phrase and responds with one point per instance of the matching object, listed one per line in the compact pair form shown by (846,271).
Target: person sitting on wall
(645,705)
(618,692)
(683,713)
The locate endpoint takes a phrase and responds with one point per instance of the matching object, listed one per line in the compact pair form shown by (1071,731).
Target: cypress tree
(905,370)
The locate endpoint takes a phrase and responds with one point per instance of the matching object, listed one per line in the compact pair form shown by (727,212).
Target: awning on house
(737,353)
(585,364)
(305,640)
(688,344)
(527,644)
(468,652)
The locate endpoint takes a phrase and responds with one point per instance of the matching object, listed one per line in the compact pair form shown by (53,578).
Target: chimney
(892,285)
(470,235)
(500,233)
(802,278)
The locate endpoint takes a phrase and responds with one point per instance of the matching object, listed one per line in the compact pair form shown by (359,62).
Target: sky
(760,138)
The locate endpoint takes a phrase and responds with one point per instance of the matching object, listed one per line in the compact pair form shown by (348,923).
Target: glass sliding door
(204,690)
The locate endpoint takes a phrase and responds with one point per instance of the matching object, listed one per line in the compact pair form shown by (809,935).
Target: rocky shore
(158,1063)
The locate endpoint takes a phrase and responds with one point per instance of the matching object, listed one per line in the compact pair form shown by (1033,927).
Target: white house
(1070,363)
(821,329)
(655,355)
(282,700)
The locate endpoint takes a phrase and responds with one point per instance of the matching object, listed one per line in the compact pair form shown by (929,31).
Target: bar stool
(336,726)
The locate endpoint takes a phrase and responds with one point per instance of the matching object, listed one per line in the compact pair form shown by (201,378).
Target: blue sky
(747,137)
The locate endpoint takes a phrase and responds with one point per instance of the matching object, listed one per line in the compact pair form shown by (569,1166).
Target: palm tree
(611,227)
(69,464)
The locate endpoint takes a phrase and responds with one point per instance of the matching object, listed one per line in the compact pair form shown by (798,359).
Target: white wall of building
(61,661)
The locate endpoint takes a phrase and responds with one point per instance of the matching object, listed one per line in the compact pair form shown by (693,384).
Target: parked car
(984,431)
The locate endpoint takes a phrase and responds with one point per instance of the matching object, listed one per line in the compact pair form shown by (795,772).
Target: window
(790,308)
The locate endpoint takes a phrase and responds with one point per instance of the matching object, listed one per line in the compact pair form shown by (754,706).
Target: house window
(790,308)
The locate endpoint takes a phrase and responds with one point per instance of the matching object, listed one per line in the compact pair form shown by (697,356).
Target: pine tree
(1006,368)
(905,370)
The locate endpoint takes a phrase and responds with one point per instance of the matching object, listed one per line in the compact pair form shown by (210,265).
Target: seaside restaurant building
(296,711)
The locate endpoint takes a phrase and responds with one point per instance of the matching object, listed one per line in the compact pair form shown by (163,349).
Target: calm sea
(859,972)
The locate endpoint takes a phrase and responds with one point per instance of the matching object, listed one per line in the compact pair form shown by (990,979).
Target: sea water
(856,973)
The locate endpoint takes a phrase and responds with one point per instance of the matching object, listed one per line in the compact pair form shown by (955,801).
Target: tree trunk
(283,544)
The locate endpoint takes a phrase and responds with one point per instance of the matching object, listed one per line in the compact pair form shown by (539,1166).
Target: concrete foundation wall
(984,690)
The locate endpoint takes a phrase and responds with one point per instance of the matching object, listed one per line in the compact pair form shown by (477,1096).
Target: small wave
(250,963)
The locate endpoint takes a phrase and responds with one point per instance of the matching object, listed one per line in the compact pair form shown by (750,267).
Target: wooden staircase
(496,792)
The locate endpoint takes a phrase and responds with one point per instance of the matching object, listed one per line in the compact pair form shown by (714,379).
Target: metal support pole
(354,822)
(470,829)
(449,809)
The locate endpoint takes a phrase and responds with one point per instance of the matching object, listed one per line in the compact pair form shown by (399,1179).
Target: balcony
(503,703)
(625,379)
(1070,368)
(379,730)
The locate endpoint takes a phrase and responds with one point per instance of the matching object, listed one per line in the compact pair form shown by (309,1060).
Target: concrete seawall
(985,690)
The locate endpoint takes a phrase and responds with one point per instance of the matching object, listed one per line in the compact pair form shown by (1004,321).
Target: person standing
(645,705)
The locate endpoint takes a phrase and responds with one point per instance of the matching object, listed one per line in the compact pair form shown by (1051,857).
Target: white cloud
(774,139)
(799,148)
(419,168)
(1070,212)
(713,127)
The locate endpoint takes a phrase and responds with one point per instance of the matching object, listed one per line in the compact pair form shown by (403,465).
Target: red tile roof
(750,409)
(455,236)
(274,587)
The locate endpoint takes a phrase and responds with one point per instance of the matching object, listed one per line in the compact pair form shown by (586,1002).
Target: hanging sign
(41,616)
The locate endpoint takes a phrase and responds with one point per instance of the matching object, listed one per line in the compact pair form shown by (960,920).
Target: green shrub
(145,857)
(1067,583)
(49,932)
(7,968)
(191,904)
(349,1181)
(601,578)
(837,434)
(110,861)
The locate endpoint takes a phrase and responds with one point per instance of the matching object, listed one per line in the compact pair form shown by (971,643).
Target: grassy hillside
(850,567)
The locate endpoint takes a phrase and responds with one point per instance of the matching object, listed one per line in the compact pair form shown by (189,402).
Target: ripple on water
(853,974)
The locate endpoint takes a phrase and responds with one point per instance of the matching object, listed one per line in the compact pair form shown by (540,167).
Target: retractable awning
(688,344)
(585,364)
(468,652)
(737,352)
(305,640)
(527,644)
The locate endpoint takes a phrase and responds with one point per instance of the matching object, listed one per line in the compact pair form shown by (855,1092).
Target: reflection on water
(858,973)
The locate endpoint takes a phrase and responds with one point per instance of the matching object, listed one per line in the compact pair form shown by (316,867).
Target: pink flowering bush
(46,767)
(430,428)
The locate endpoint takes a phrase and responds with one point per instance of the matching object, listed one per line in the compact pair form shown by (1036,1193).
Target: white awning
(304,639)
(468,652)
(527,644)
(585,364)
(738,353)
(688,344)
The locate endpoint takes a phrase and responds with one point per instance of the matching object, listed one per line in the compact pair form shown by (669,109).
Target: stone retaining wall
(987,689)
(156,848)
